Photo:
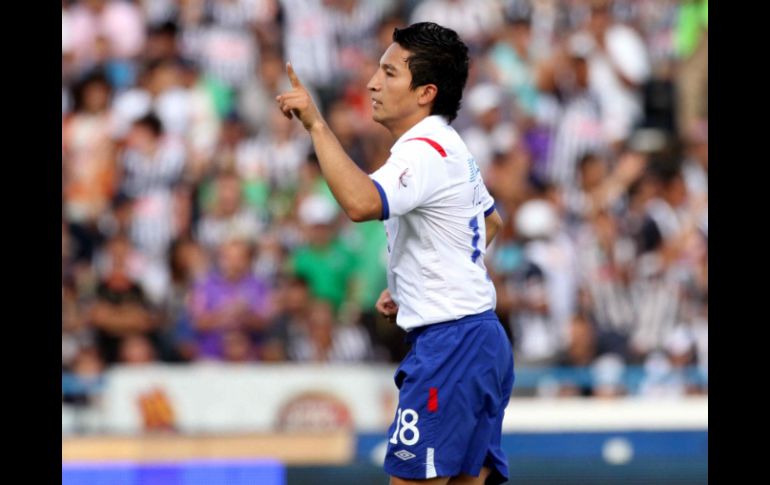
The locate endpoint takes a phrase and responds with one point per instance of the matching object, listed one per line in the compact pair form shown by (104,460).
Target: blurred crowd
(196,224)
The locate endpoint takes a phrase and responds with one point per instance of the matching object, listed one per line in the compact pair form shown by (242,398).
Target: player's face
(392,98)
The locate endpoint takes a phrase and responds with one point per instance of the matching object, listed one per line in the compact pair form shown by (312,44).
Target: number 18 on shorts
(415,458)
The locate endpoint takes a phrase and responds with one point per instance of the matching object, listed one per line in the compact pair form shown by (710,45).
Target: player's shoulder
(421,147)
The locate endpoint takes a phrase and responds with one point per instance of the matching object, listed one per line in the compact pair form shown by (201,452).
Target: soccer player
(456,380)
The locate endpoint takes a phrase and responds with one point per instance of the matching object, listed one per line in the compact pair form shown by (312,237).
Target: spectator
(188,265)
(369,245)
(152,165)
(120,72)
(229,299)
(162,42)
(136,350)
(76,335)
(344,123)
(308,40)
(321,340)
(490,134)
(584,200)
(324,260)
(229,143)
(204,126)
(87,371)
(89,174)
(282,150)
(292,309)
(237,346)
(659,276)
(581,349)
(121,308)
(120,22)
(667,216)
(160,89)
(355,23)
(605,265)
(578,128)
(551,250)
(255,99)
(224,45)
(513,67)
(618,65)
(228,218)
(523,291)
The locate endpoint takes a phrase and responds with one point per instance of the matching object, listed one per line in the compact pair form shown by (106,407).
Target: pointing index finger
(292,76)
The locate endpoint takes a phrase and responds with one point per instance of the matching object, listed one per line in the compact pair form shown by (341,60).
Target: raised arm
(351,186)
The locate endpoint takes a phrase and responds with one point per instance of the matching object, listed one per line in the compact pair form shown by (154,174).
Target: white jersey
(434,204)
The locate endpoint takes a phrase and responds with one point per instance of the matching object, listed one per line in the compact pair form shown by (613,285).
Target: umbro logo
(404,455)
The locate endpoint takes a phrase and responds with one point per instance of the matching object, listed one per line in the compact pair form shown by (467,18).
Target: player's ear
(428,94)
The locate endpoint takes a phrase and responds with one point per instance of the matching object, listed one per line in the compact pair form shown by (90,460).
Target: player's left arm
(493,223)
(492,219)
(351,186)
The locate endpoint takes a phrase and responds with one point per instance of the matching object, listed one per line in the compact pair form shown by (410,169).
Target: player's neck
(405,124)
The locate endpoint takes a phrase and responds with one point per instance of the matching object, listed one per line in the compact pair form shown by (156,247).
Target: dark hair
(95,77)
(588,157)
(438,56)
(151,122)
(168,27)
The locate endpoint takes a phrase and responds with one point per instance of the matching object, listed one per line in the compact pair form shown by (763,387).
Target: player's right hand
(298,102)
(386,306)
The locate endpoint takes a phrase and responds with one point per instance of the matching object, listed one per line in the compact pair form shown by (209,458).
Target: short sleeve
(409,179)
(487,202)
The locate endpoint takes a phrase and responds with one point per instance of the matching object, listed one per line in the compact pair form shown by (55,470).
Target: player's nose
(373,84)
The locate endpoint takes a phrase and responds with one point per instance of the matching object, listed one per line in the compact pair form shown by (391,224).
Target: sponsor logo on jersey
(473,169)
(403,177)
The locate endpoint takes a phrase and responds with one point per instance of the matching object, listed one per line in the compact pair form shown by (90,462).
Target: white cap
(536,218)
(483,97)
(317,209)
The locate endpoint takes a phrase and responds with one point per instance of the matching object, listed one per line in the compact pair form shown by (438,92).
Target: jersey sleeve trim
(490,210)
(384,198)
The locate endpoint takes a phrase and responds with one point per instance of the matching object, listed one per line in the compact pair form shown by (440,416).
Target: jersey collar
(426,126)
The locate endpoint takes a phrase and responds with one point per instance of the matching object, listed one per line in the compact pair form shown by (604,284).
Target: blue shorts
(453,386)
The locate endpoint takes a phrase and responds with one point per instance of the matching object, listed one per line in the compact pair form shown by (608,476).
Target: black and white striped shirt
(350,343)
(656,295)
(143,174)
(578,131)
(241,14)
(308,41)
(148,180)
(357,29)
(599,274)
